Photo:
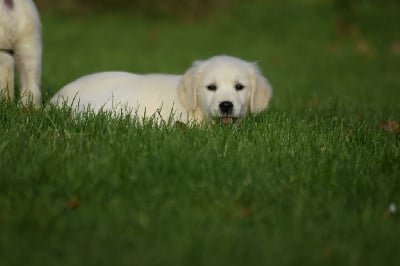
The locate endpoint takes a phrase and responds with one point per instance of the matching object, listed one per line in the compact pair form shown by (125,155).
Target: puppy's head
(224,87)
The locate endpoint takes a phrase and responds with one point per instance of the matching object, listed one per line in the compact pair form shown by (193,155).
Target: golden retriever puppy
(20,45)
(221,87)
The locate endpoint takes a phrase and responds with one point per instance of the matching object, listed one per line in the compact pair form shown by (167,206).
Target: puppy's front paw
(31,99)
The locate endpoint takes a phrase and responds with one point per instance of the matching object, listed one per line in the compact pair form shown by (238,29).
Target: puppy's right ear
(187,89)
(261,92)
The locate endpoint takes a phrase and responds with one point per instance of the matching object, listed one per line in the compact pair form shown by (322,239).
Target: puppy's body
(140,95)
(20,45)
(221,86)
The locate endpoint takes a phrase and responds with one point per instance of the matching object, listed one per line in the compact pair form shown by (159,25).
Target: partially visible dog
(222,86)
(20,45)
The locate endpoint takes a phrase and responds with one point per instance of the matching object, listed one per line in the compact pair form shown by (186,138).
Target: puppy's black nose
(226,107)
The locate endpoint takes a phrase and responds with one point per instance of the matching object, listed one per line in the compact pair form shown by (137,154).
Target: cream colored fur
(173,97)
(20,31)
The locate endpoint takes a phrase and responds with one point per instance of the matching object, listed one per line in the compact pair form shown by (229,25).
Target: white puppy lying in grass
(222,86)
(20,44)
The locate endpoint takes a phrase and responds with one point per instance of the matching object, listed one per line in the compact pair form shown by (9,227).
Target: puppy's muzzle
(226,108)
(226,111)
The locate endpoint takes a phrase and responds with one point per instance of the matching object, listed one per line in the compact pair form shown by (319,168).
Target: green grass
(308,182)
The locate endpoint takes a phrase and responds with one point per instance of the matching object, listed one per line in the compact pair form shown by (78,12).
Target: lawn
(308,182)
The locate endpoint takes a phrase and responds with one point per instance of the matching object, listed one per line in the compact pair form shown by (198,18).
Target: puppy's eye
(212,87)
(239,87)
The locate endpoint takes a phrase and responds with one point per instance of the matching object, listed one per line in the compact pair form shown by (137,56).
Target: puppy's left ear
(188,86)
(261,92)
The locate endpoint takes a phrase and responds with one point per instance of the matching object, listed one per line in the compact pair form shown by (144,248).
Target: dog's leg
(6,76)
(29,60)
